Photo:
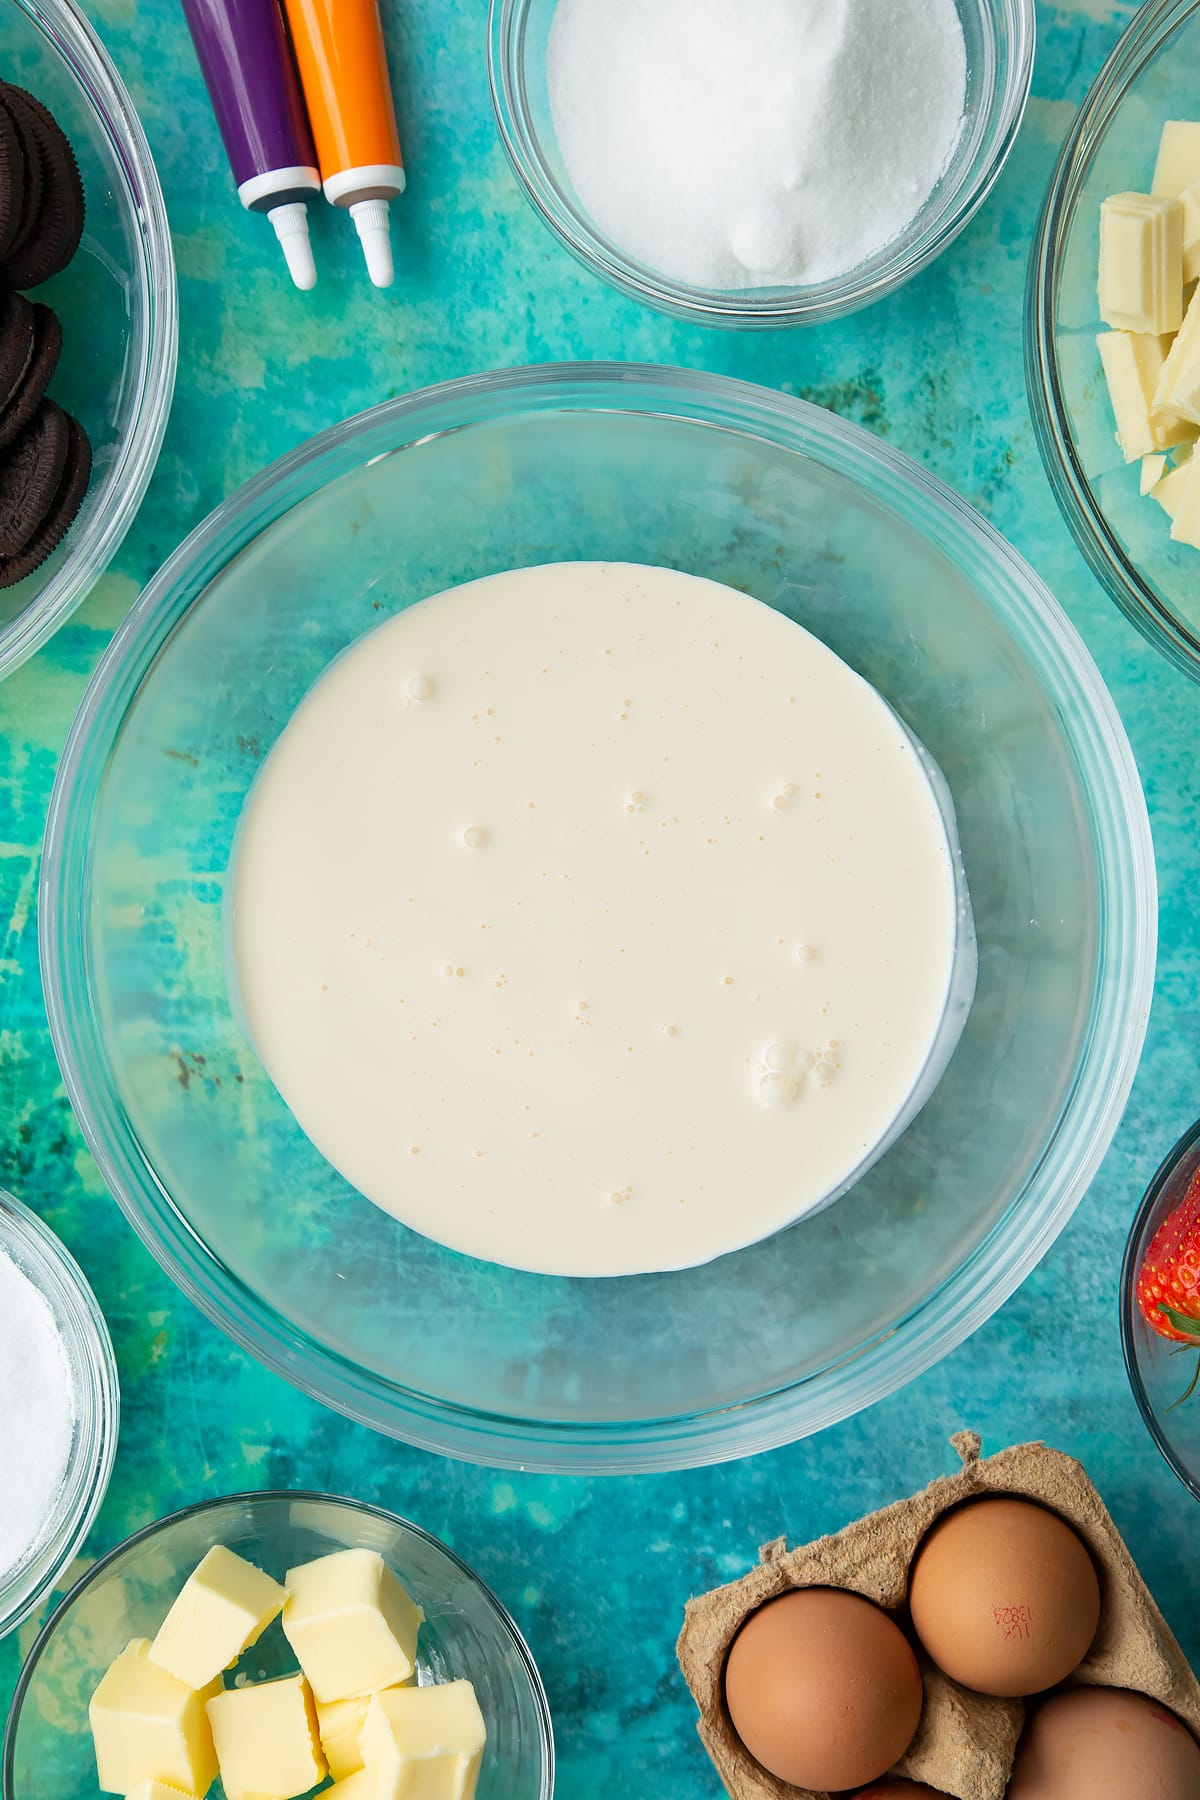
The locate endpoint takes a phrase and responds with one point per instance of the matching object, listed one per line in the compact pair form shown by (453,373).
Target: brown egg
(823,1688)
(1105,1744)
(900,1790)
(1004,1597)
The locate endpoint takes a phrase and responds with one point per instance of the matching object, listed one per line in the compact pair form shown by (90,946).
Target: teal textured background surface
(595,1572)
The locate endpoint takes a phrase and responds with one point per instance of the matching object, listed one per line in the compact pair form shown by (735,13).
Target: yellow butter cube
(267,1740)
(340,1723)
(351,1624)
(425,1743)
(1141,263)
(358,1786)
(147,1726)
(223,1608)
(156,1790)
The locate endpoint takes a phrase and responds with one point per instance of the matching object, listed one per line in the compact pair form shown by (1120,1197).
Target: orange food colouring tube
(343,71)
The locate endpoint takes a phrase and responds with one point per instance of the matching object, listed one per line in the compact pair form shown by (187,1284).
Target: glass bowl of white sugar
(59,1409)
(766,164)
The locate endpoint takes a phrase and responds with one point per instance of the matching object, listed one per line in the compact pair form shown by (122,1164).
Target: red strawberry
(1168,1284)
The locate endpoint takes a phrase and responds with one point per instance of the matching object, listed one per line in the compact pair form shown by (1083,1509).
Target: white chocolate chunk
(266,1739)
(1169,491)
(1178,388)
(223,1608)
(1184,398)
(1133,367)
(1141,263)
(1178,164)
(1152,471)
(351,1624)
(425,1743)
(147,1726)
(1189,200)
(1185,520)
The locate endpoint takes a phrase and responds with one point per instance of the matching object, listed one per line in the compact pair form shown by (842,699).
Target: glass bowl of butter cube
(1113,328)
(276,1644)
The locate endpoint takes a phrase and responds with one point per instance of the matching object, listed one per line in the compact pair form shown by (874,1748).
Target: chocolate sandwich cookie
(68,498)
(40,363)
(12,181)
(31,183)
(30,471)
(18,335)
(53,237)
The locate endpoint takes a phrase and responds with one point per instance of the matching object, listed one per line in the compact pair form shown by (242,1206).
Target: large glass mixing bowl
(816,518)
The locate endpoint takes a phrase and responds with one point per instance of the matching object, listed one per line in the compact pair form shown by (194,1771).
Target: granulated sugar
(743,143)
(37,1415)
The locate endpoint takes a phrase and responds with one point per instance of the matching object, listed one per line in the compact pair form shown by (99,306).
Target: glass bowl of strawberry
(1160,1308)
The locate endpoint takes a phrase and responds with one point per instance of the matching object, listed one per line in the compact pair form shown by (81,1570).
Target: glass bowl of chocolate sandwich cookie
(88,328)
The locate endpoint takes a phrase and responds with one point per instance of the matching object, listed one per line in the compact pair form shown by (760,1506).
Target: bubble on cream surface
(660,1065)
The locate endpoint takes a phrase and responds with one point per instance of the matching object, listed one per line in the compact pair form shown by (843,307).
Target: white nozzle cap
(371,220)
(291,228)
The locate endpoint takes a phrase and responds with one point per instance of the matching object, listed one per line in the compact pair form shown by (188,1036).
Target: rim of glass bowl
(710,306)
(77,1314)
(307,1497)
(1120,1006)
(1138,600)
(1187,1148)
(70,34)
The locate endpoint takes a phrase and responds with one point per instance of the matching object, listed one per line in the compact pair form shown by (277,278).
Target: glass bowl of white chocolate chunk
(269,1642)
(726,1018)
(1113,328)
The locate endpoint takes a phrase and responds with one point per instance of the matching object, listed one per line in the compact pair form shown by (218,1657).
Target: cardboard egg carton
(965,1742)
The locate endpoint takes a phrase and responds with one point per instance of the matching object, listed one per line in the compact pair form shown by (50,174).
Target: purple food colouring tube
(247,66)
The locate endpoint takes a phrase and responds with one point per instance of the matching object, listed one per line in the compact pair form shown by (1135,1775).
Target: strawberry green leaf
(1181,1321)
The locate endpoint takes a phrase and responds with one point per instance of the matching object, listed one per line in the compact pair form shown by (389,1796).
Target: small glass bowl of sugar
(763,164)
(59,1410)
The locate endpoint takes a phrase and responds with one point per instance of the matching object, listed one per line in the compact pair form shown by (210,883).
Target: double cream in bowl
(187,722)
(624,948)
